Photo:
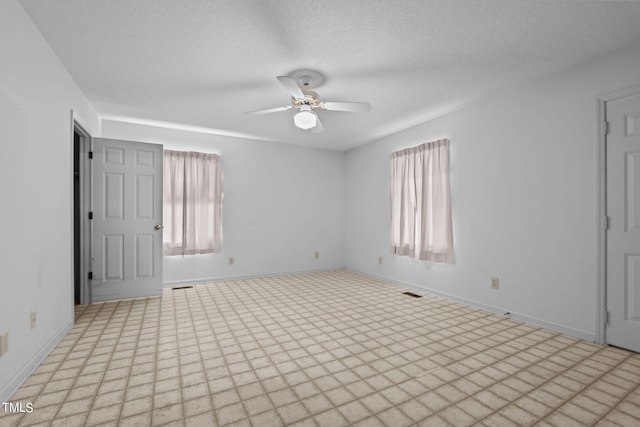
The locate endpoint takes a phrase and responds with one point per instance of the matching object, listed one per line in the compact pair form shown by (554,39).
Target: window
(191,203)
(421,225)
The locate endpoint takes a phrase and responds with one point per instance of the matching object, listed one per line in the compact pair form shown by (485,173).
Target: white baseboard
(246,276)
(497,310)
(12,386)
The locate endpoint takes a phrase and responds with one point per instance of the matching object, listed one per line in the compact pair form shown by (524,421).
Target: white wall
(523,177)
(282,203)
(36,170)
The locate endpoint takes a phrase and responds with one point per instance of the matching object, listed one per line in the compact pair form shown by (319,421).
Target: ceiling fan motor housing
(310,98)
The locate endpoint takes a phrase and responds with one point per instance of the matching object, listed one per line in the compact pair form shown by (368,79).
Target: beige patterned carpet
(321,349)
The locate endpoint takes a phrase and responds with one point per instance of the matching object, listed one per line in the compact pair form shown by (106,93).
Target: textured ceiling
(206,62)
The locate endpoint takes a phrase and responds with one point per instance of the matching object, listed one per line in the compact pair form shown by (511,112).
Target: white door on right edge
(623,235)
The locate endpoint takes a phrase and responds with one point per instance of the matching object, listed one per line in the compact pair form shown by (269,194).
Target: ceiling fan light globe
(305,119)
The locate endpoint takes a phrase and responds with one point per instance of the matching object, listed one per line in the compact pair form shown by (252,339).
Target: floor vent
(182,287)
(411,294)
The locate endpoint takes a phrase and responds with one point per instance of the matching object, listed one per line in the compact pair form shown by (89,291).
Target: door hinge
(605,222)
(606,128)
(90,215)
(90,275)
(91,154)
(606,317)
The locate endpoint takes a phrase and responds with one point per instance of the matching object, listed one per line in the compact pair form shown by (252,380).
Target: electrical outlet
(231,260)
(495,283)
(379,260)
(33,319)
(4,343)
(317,255)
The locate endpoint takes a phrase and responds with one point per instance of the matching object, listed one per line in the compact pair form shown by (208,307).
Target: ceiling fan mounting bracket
(307,79)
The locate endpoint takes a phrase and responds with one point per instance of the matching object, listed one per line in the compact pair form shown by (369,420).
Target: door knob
(159,227)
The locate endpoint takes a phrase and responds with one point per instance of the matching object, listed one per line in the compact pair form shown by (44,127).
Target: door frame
(85,146)
(601,197)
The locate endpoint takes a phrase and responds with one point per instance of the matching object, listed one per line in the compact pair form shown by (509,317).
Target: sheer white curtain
(421,225)
(192,203)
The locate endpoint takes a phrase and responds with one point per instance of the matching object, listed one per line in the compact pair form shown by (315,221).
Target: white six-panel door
(623,234)
(127,219)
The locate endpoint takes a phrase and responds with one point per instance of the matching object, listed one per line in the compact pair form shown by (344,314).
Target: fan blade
(356,107)
(270,110)
(319,128)
(291,86)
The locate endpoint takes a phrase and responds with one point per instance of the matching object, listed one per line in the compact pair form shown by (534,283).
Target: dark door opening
(77,220)
(81,160)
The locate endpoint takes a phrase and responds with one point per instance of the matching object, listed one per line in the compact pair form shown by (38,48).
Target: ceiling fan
(307,101)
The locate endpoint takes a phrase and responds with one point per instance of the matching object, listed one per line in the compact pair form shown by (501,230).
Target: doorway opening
(81,209)
(77,223)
